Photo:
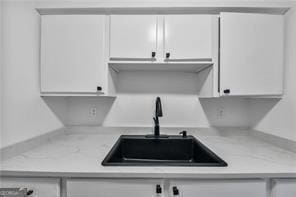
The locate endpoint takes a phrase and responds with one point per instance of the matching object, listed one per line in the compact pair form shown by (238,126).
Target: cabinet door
(72,53)
(133,37)
(251,54)
(223,188)
(111,188)
(40,187)
(284,188)
(189,37)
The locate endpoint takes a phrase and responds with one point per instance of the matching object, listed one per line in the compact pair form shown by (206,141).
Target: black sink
(140,150)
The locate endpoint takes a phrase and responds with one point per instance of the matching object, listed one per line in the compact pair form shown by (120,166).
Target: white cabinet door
(133,37)
(284,188)
(190,37)
(219,188)
(251,54)
(112,188)
(72,53)
(41,187)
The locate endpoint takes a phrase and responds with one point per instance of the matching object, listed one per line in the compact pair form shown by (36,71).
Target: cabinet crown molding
(280,10)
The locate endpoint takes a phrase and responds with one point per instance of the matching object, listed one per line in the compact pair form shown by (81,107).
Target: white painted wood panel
(219,188)
(189,36)
(284,188)
(111,188)
(251,54)
(41,187)
(133,37)
(72,53)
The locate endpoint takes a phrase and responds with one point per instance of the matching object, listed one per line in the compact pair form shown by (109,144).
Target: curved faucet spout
(158,107)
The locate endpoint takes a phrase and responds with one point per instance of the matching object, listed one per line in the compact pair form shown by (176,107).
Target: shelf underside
(177,67)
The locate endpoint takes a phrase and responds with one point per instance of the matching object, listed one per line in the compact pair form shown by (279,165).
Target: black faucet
(158,113)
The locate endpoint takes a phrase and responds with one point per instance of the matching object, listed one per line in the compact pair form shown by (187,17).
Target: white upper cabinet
(251,54)
(244,51)
(218,188)
(182,37)
(72,53)
(133,37)
(189,37)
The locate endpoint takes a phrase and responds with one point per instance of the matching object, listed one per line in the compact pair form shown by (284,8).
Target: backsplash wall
(138,110)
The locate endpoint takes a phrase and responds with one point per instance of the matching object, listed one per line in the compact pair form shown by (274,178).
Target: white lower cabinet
(40,187)
(50,187)
(218,188)
(284,188)
(113,188)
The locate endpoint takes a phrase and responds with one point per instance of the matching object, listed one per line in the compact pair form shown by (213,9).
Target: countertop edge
(157,175)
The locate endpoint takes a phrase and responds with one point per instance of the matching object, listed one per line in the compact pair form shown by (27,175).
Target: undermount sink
(141,150)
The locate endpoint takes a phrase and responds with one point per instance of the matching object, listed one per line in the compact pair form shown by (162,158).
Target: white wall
(135,103)
(138,110)
(1,73)
(25,114)
(280,120)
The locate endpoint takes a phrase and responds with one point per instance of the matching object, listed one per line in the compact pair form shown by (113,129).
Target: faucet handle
(184,133)
(156,121)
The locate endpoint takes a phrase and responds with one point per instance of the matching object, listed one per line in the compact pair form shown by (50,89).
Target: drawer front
(41,187)
(112,188)
(284,188)
(218,188)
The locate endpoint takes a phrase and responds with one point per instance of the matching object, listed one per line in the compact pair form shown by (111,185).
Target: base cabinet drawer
(113,188)
(40,187)
(218,188)
(284,188)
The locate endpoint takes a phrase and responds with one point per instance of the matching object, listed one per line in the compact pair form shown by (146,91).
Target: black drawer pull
(175,191)
(153,54)
(167,55)
(158,189)
(226,91)
(30,192)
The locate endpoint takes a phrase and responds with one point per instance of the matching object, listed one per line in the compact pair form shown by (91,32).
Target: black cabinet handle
(153,54)
(158,189)
(175,191)
(226,91)
(167,55)
(99,88)
(30,192)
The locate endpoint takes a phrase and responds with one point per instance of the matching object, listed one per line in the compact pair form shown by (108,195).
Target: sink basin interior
(139,150)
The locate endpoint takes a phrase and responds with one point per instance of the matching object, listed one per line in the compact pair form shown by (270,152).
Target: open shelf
(179,67)
(74,94)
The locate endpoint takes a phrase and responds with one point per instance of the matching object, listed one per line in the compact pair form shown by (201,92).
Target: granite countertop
(79,153)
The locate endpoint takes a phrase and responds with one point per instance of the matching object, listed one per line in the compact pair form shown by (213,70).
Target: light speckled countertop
(79,154)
